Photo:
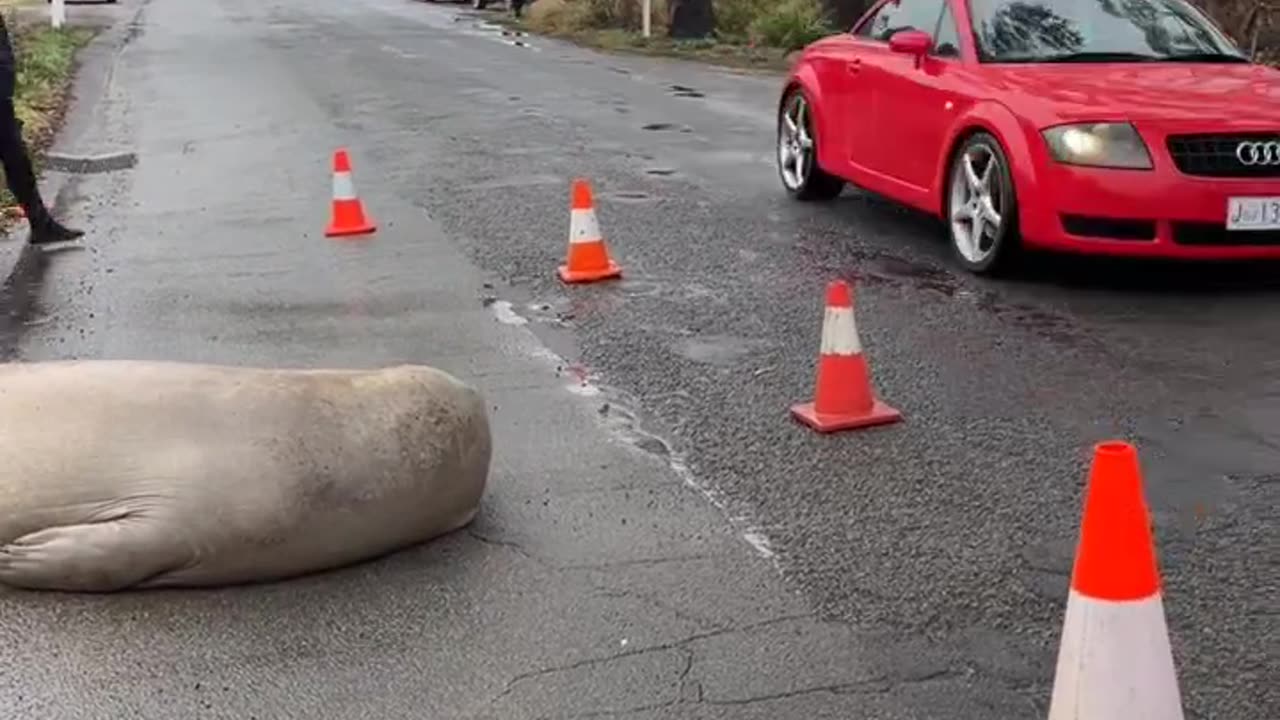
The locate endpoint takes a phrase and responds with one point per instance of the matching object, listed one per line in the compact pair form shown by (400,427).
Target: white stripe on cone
(583,226)
(840,332)
(343,187)
(1115,662)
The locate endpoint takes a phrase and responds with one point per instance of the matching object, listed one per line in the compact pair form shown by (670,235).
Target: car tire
(984,201)
(797,152)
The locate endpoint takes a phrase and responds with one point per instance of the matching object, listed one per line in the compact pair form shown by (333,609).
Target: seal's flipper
(97,557)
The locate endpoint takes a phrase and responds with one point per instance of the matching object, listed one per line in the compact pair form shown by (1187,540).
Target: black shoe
(53,232)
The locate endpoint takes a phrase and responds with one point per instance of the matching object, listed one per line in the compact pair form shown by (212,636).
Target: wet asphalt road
(661,540)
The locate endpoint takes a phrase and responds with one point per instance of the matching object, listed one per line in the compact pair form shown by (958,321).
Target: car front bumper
(1141,213)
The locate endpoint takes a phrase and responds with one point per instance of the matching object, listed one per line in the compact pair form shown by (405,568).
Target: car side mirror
(911,42)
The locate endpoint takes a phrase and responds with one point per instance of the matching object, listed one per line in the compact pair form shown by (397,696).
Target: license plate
(1253,213)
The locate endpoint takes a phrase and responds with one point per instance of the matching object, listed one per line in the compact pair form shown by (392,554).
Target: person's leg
(18,172)
(20,176)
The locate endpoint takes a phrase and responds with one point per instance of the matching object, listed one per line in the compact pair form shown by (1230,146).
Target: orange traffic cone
(843,399)
(1114,661)
(588,259)
(347,215)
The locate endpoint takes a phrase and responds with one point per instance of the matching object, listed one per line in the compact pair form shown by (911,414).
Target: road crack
(679,645)
(873,686)
(513,546)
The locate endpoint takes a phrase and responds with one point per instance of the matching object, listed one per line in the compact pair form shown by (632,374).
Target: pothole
(686,91)
(630,196)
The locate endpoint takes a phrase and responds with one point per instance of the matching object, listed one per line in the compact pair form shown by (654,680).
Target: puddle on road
(665,126)
(506,314)
(721,350)
(556,315)
(880,268)
(631,196)
(1047,324)
(924,277)
(631,287)
(685,91)
(494,31)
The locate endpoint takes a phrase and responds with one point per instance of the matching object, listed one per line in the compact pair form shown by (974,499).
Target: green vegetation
(46,66)
(748,33)
(762,33)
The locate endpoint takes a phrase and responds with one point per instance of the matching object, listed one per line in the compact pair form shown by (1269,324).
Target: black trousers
(19,173)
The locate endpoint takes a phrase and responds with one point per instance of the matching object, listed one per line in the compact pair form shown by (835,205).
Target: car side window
(898,15)
(946,41)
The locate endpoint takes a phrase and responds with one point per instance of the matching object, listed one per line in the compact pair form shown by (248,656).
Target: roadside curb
(89,164)
(94,66)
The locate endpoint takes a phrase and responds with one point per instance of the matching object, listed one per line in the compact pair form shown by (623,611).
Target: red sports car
(1121,127)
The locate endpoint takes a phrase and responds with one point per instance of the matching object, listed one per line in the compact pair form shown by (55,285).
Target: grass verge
(765,34)
(749,34)
(716,52)
(46,61)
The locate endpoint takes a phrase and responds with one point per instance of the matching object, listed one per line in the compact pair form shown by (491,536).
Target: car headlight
(1113,145)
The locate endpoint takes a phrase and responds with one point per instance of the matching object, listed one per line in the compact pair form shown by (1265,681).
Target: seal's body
(123,474)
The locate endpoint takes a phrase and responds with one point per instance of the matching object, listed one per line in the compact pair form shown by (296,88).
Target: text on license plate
(1253,213)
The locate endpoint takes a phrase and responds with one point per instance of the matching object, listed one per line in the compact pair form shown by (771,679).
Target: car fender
(999,121)
(805,77)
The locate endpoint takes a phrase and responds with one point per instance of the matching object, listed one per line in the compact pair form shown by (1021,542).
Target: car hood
(1227,94)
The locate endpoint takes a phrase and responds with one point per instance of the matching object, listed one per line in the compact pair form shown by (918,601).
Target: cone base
(880,414)
(584,276)
(361,229)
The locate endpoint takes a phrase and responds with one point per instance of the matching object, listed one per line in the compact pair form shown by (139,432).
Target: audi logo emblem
(1259,153)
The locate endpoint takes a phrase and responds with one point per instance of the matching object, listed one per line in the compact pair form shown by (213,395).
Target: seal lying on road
(132,474)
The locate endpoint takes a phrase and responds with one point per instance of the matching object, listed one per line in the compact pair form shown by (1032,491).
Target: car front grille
(1218,155)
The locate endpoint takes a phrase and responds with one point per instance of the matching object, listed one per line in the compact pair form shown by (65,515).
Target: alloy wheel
(977,203)
(795,143)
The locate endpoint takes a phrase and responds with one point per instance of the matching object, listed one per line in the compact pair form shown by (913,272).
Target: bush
(791,24)
(786,24)
(563,16)
(573,16)
(734,17)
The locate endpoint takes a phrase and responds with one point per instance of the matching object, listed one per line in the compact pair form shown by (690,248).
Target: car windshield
(1096,31)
